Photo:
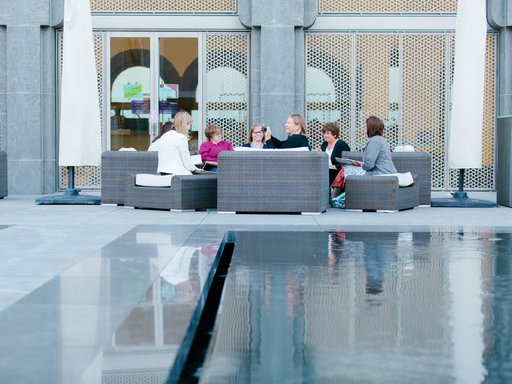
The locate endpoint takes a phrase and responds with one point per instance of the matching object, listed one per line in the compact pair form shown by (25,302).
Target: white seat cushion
(148,180)
(404,179)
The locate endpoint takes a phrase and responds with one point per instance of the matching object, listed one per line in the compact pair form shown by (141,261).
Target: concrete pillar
(277,58)
(27,95)
(499,16)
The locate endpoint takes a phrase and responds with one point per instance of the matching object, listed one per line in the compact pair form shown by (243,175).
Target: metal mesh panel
(388,6)
(86,177)
(373,53)
(226,86)
(136,377)
(328,84)
(424,99)
(406,80)
(167,6)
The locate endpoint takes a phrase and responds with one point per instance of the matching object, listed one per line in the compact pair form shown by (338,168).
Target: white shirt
(329,153)
(154,146)
(173,154)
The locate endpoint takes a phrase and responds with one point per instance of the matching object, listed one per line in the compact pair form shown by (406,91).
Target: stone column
(28,96)
(277,58)
(499,16)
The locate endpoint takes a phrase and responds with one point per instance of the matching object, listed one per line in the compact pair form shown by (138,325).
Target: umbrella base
(461,200)
(70,197)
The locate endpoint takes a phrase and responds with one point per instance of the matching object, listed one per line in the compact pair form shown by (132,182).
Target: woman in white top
(173,154)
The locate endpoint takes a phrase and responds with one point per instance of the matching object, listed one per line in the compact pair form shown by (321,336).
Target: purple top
(210,151)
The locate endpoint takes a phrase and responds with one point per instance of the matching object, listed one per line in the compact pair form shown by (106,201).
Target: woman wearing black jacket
(297,134)
(333,146)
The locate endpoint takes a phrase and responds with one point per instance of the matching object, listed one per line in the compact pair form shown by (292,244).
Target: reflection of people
(296,130)
(255,137)
(117,120)
(155,143)
(376,157)
(173,154)
(377,259)
(209,150)
(333,146)
(181,285)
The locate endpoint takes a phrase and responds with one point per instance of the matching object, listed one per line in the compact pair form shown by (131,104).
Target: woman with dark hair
(333,146)
(296,130)
(376,157)
(154,144)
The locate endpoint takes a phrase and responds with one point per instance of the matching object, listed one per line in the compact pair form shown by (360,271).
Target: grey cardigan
(377,157)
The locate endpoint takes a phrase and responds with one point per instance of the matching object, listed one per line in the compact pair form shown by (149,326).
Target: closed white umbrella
(80,124)
(465,139)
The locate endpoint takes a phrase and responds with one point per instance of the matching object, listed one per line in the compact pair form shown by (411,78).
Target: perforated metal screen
(227,87)
(406,80)
(167,6)
(387,6)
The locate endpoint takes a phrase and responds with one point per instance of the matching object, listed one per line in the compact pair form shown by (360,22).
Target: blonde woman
(296,130)
(173,154)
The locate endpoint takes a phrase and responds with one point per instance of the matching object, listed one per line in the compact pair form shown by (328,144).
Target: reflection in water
(364,307)
(145,344)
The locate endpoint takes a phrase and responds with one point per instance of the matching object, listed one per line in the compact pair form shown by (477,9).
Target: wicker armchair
(118,170)
(186,192)
(379,193)
(3,174)
(115,165)
(418,163)
(269,181)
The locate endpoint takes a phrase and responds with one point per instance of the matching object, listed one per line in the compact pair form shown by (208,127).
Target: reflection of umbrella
(465,141)
(80,125)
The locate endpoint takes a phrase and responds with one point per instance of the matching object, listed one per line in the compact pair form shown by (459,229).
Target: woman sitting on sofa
(255,137)
(296,129)
(333,146)
(209,150)
(155,143)
(376,157)
(173,154)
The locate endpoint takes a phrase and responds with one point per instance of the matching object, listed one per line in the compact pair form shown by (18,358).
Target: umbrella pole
(460,194)
(71,191)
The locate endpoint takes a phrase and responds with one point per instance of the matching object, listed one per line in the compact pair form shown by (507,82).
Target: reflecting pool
(335,307)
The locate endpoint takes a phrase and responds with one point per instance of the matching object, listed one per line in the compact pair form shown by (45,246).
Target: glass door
(178,80)
(152,76)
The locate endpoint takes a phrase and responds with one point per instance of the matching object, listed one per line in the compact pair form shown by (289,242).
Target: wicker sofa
(418,163)
(271,181)
(383,193)
(118,170)
(3,174)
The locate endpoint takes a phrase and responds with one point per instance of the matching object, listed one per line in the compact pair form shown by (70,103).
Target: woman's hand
(268,134)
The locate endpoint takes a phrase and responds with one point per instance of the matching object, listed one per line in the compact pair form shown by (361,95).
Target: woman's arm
(185,154)
(370,155)
(204,151)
